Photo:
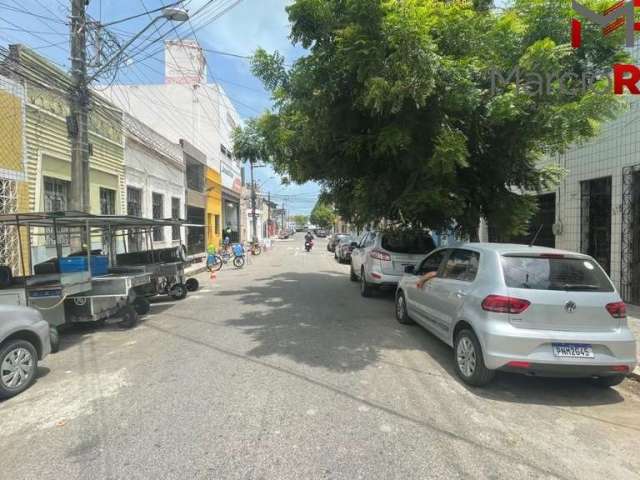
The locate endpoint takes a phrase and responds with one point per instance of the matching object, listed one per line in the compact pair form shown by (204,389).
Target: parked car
(378,259)
(321,233)
(344,248)
(515,308)
(24,340)
(334,239)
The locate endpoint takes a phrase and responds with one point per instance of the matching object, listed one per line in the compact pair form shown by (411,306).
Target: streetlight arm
(122,49)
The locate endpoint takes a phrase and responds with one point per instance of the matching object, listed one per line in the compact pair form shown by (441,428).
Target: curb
(196,271)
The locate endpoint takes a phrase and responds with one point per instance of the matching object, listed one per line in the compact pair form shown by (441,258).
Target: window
(134,202)
(195,176)
(368,239)
(408,242)
(157,204)
(56,199)
(175,215)
(462,265)
(107,201)
(9,249)
(217,224)
(56,195)
(571,274)
(432,262)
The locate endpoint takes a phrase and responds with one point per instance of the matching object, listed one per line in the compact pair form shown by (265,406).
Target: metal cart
(72,297)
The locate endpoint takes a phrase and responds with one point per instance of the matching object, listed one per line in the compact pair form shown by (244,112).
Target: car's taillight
(502,304)
(619,368)
(380,255)
(617,310)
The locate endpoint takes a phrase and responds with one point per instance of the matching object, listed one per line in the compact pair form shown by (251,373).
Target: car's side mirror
(410,269)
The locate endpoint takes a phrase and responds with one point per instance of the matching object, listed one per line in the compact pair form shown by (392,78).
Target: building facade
(155,181)
(48,149)
(195,162)
(596,207)
(214,208)
(187,107)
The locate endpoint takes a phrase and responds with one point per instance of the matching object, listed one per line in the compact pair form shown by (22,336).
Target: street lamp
(175,14)
(172,14)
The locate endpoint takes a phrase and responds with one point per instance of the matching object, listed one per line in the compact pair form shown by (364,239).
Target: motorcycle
(308,244)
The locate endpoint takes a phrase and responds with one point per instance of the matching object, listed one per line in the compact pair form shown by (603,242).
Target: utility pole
(79,118)
(269,216)
(254,218)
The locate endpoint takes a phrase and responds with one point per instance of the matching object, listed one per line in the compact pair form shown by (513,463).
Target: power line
(26,12)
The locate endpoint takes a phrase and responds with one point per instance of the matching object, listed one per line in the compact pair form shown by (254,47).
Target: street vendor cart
(83,285)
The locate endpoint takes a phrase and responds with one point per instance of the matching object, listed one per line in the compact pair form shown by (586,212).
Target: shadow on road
(319,319)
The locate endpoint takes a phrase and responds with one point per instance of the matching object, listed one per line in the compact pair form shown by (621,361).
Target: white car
(379,259)
(24,339)
(522,309)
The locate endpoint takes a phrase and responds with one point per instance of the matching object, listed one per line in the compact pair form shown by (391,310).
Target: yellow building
(214,207)
(14,193)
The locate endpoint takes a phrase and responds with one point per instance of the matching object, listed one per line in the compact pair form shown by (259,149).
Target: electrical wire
(26,12)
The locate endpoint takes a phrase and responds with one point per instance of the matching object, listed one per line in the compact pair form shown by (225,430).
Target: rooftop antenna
(535,237)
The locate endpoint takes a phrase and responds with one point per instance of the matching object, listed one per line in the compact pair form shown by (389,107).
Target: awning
(80,219)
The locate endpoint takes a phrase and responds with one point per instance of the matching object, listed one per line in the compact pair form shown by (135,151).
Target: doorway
(630,261)
(596,220)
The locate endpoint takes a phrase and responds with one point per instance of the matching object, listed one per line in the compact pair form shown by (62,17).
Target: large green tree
(396,110)
(322,215)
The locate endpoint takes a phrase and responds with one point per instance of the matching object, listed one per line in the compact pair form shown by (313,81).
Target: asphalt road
(282,371)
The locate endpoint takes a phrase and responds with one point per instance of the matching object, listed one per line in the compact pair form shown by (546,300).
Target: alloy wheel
(400,307)
(466,356)
(17,368)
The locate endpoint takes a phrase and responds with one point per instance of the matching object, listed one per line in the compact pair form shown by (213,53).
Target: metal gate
(8,235)
(630,261)
(596,220)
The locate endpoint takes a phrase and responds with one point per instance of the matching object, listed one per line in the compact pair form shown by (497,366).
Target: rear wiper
(578,286)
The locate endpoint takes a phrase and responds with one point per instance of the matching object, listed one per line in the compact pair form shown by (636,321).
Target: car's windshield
(571,274)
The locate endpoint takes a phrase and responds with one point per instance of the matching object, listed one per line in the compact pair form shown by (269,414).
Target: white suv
(379,259)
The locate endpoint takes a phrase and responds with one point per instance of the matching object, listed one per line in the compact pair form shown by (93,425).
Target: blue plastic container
(99,265)
(238,251)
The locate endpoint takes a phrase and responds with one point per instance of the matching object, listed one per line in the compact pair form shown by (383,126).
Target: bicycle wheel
(238,262)
(215,264)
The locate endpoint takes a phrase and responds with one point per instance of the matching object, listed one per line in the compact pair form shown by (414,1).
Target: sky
(228,29)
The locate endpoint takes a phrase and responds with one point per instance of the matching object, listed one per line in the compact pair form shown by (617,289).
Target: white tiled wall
(617,146)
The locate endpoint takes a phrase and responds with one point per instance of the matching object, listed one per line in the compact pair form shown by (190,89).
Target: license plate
(573,350)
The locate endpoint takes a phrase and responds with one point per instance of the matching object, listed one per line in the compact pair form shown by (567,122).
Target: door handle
(460,294)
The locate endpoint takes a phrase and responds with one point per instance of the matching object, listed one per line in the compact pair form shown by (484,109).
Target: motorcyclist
(308,237)
(308,241)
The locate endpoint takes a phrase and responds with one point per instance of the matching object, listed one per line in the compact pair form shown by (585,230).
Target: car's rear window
(540,273)
(408,242)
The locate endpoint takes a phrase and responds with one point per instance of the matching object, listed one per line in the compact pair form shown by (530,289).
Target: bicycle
(215,260)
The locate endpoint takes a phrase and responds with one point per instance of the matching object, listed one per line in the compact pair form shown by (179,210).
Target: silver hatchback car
(531,310)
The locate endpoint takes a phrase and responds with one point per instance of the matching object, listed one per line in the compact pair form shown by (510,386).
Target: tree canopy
(322,215)
(396,111)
